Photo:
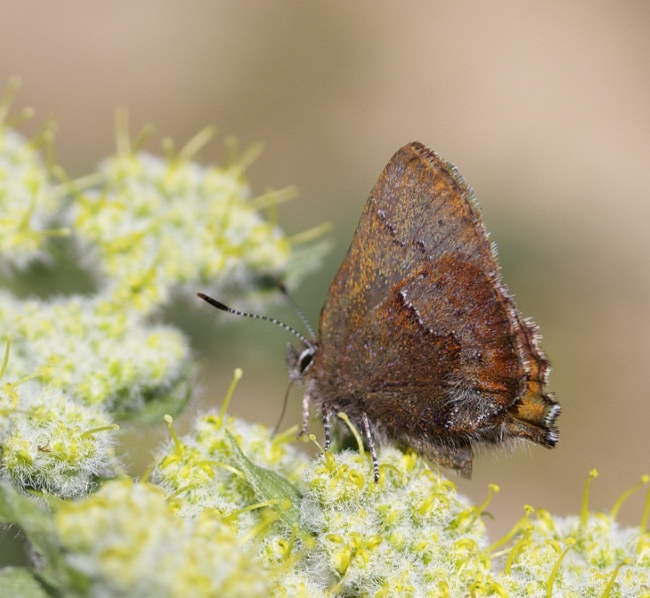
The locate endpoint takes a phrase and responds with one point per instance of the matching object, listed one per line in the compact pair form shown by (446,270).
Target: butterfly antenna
(301,314)
(245,314)
(284,409)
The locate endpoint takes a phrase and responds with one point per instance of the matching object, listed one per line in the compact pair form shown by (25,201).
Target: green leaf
(18,582)
(34,516)
(269,486)
(19,509)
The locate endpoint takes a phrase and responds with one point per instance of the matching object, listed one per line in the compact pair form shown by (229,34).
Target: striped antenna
(222,307)
(296,307)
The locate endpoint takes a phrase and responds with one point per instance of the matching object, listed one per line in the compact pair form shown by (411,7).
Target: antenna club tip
(213,302)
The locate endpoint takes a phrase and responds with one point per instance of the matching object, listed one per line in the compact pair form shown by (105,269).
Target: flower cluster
(27,199)
(577,556)
(52,443)
(156,224)
(410,534)
(352,536)
(83,347)
(349,536)
(557,554)
(214,522)
(144,226)
(127,539)
(72,367)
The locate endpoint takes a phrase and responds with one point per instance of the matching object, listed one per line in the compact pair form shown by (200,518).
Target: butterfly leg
(367,431)
(327,426)
(305,415)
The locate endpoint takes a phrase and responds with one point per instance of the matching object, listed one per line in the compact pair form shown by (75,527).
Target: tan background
(545,107)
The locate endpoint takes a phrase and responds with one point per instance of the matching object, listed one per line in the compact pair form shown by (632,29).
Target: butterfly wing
(419,210)
(418,324)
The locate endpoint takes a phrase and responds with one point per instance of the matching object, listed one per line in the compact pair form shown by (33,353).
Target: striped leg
(371,445)
(327,426)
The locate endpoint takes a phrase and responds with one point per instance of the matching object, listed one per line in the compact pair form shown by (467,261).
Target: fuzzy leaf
(20,583)
(268,485)
(36,521)
(17,508)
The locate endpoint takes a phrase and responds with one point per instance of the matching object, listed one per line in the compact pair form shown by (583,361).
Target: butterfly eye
(305,359)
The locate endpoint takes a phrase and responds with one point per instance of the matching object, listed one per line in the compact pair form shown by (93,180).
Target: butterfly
(419,340)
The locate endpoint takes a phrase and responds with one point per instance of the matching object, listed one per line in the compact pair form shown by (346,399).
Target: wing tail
(533,417)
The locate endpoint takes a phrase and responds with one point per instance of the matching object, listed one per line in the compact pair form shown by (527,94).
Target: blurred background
(544,107)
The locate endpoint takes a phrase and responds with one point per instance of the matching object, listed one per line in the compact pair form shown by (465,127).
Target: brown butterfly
(420,341)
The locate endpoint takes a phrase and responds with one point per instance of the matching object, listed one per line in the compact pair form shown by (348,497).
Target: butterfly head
(299,360)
